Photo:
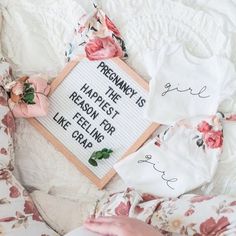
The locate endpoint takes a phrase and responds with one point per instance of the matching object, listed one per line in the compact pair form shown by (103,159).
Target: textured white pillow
(35,33)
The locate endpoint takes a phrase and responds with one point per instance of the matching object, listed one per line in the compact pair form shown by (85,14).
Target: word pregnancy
(122,85)
(164,175)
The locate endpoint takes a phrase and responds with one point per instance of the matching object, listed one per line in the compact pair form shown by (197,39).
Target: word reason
(96,98)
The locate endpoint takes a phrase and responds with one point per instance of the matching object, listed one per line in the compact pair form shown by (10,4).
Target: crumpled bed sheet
(38,164)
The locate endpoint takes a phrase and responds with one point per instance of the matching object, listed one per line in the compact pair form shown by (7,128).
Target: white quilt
(41,29)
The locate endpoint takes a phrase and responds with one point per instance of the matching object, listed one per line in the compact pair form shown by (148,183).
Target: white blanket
(37,46)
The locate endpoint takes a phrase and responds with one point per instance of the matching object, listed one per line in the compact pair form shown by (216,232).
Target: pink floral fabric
(97,37)
(7,124)
(187,215)
(18,215)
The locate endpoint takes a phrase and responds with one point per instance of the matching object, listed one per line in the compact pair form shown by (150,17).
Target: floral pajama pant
(187,215)
(18,214)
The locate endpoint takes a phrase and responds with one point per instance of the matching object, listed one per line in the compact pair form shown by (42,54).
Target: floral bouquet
(28,96)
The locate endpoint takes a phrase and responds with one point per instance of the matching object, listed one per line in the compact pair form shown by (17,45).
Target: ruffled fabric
(35,34)
(150,24)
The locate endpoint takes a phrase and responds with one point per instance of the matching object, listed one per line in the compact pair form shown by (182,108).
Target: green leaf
(31,103)
(104,150)
(110,151)
(29,97)
(93,155)
(99,155)
(106,155)
(92,162)
(26,85)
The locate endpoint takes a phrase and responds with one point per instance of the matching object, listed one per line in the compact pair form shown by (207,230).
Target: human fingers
(103,228)
(105,219)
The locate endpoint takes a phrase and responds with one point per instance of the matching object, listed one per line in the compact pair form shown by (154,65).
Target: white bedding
(39,48)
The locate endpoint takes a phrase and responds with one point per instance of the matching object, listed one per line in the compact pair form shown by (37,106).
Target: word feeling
(169,88)
(147,160)
(87,127)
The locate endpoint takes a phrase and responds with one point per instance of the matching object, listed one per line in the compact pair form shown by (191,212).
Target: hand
(120,226)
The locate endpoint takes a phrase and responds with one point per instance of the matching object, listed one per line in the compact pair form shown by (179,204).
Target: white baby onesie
(184,86)
(182,158)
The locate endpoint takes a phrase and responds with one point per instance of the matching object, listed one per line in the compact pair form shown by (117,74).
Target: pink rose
(204,127)
(111,26)
(200,198)
(40,108)
(14,192)
(211,227)
(213,139)
(102,48)
(122,209)
(18,88)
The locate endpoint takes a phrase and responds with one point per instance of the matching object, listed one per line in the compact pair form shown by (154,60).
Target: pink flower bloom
(211,227)
(111,26)
(40,108)
(102,48)
(14,192)
(9,122)
(122,209)
(213,139)
(18,88)
(204,127)
(200,198)
(189,212)
(3,151)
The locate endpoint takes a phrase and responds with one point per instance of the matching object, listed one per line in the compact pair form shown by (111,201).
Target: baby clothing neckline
(184,86)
